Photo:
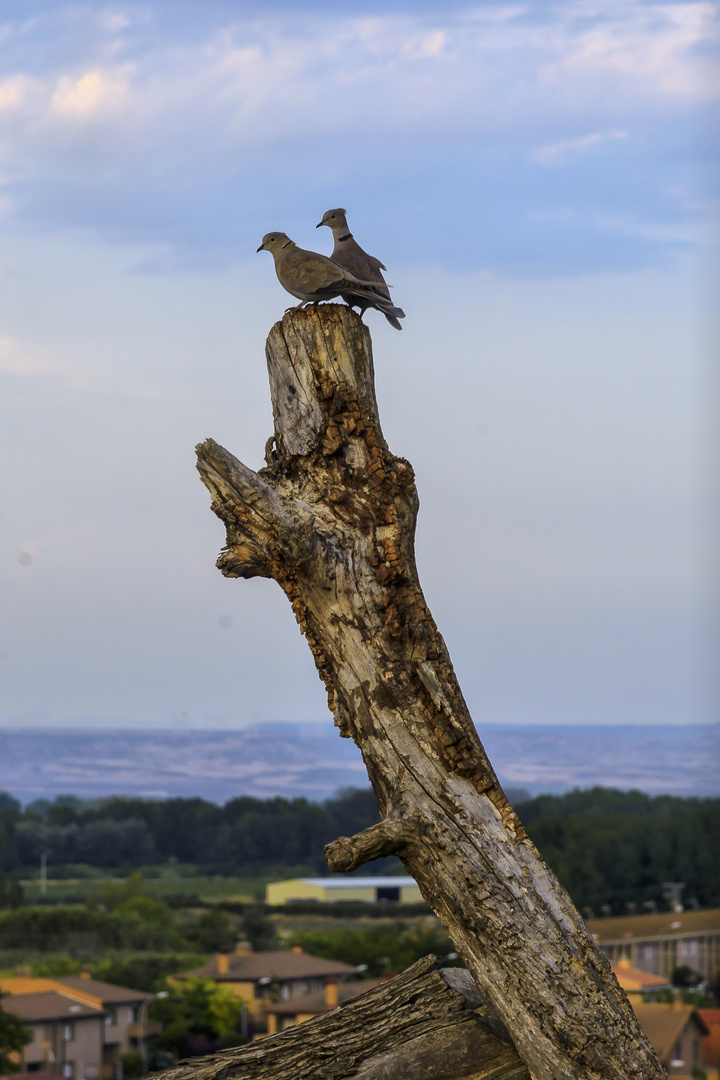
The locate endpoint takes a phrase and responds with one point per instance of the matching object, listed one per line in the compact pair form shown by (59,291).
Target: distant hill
(311,760)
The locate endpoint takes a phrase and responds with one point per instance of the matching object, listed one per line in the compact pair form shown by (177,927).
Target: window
(67,1070)
(111,1018)
(67,1034)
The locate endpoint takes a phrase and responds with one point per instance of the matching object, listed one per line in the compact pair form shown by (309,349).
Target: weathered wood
(425,1024)
(336,531)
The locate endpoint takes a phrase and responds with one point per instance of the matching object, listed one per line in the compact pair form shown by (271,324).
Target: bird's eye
(332,215)
(272,239)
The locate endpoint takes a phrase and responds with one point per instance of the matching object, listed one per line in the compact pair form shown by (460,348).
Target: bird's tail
(393,319)
(389,310)
(391,313)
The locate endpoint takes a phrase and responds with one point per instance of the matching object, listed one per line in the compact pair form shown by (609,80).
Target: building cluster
(81,1027)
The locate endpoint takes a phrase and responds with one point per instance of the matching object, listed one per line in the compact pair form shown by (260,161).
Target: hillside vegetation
(609,848)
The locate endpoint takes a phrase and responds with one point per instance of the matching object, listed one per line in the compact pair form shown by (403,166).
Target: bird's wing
(375,263)
(312,272)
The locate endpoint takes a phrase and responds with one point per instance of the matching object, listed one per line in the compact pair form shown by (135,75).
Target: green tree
(144,971)
(11,891)
(115,895)
(382,949)
(14,1036)
(195,1007)
(259,930)
(213,932)
(56,966)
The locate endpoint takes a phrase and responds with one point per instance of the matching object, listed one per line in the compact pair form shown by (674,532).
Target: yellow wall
(410,894)
(282,892)
(246,991)
(279,892)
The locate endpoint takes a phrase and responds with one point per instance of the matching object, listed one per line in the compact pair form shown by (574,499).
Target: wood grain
(336,531)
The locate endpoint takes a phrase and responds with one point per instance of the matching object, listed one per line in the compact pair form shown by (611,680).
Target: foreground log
(425,1024)
(332,519)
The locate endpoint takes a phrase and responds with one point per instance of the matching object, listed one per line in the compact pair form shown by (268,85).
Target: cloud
(16,358)
(89,95)
(652,42)
(257,81)
(555,153)
(14,92)
(183,132)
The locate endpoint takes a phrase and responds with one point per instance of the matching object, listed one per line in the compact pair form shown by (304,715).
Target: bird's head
(334,218)
(274,241)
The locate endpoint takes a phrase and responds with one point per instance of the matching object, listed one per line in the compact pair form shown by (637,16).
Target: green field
(168,883)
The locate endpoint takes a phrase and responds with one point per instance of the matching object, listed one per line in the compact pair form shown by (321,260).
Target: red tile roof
(663,1024)
(107,992)
(281,966)
(631,978)
(33,1008)
(711,1042)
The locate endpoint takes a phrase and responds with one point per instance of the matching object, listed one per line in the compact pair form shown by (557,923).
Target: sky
(541,181)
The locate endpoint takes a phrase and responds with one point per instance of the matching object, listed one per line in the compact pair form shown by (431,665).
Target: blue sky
(539,179)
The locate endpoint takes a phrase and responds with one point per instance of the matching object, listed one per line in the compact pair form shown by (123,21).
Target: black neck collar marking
(347,236)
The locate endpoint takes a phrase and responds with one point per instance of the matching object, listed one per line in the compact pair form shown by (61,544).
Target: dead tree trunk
(424,1025)
(332,520)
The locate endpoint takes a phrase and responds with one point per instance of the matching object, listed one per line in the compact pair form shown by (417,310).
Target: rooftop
(281,966)
(356,882)
(663,1024)
(77,986)
(633,979)
(49,1005)
(106,992)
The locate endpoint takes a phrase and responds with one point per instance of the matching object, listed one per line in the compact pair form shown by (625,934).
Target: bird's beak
(319,224)
(261,248)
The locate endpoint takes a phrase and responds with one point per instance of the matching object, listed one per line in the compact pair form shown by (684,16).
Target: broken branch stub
(426,1023)
(332,519)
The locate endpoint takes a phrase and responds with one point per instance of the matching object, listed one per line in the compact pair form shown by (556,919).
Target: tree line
(610,849)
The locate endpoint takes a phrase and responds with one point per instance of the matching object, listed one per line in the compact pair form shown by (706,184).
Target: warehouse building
(342,887)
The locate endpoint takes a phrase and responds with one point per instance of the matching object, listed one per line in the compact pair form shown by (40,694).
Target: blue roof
(359,882)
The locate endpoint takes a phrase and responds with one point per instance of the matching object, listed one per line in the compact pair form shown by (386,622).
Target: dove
(348,254)
(312,277)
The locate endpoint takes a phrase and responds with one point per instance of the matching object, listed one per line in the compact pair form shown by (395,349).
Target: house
(67,1034)
(711,1041)
(660,942)
(122,1015)
(401,890)
(261,978)
(285,1014)
(118,1006)
(675,1033)
(637,984)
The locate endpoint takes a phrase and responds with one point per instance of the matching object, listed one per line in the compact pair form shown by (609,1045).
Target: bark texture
(332,519)
(425,1025)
